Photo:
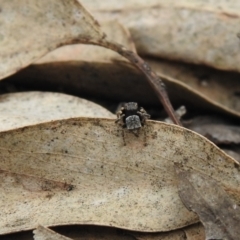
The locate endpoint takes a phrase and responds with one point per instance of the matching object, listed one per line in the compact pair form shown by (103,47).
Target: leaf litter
(87,68)
(90,53)
(69,179)
(28,108)
(216,210)
(217,130)
(218,88)
(89,33)
(62,23)
(200,32)
(52,186)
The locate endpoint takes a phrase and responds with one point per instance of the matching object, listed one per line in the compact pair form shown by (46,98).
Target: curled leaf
(216,210)
(215,129)
(28,108)
(211,88)
(201,32)
(30,29)
(90,53)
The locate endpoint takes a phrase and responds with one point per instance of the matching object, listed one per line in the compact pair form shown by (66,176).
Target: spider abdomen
(131,116)
(133,122)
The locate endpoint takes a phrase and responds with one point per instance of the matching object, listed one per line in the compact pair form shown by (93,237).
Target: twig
(155,81)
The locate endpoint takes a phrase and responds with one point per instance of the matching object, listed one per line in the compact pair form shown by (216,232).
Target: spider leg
(120,117)
(120,114)
(144,115)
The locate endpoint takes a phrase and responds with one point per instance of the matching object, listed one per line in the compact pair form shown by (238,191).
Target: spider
(131,116)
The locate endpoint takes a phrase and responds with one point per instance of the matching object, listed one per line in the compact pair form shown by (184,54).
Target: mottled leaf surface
(201,32)
(28,108)
(215,129)
(30,29)
(89,53)
(219,214)
(218,88)
(89,171)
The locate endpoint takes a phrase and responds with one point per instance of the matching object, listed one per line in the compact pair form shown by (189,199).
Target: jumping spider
(131,116)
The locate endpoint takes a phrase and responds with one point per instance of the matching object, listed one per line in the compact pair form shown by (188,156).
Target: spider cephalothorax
(131,116)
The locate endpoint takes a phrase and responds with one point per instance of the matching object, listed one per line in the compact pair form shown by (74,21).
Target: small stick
(155,81)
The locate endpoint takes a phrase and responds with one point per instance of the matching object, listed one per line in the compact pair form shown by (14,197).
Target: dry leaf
(107,79)
(89,33)
(42,233)
(88,171)
(112,82)
(195,232)
(101,79)
(82,52)
(215,129)
(30,29)
(198,32)
(110,5)
(93,79)
(93,72)
(28,108)
(216,87)
(217,212)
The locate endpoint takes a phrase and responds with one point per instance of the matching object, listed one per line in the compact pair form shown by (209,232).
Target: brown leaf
(219,89)
(195,232)
(42,233)
(88,53)
(88,33)
(110,81)
(202,32)
(30,29)
(106,79)
(215,129)
(90,70)
(91,171)
(94,79)
(110,5)
(28,108)
(216,210)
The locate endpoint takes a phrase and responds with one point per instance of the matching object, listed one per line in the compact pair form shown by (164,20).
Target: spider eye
(131,106)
